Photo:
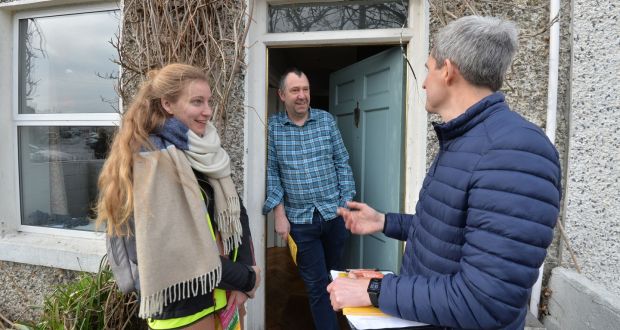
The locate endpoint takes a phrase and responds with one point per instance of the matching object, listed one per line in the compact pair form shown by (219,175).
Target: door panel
(373,135)
(345,91)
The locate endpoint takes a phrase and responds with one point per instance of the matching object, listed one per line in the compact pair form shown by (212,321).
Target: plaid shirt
(307,167)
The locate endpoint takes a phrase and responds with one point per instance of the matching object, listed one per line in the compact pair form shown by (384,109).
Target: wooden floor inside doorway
(287,301)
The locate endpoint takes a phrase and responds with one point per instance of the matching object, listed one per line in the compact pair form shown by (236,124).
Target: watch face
(374,285)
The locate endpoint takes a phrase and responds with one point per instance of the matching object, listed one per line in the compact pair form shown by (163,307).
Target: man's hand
(361,219)
(256,283)
(283,227)
(348,292)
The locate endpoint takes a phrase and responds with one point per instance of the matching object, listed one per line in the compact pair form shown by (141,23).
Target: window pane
(345,15)
(65,63)
(59,167)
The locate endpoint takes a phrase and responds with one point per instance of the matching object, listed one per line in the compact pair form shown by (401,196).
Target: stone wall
(23,288)
(232,135)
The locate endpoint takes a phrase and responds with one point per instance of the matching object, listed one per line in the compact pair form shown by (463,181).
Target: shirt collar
(287,121)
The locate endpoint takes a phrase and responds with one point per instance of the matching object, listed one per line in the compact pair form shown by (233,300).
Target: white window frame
(415,36)
(53,247)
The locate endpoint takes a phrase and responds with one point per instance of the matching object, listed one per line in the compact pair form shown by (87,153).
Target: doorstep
(532,323)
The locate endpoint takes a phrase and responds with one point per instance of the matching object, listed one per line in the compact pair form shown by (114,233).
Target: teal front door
(367,101)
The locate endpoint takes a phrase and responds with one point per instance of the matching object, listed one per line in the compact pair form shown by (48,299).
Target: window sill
(80,254)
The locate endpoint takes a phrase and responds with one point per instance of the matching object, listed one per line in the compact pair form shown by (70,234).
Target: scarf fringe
(229,225)
(154,304)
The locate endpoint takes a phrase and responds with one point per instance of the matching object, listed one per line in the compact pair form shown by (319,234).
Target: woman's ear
(167,105)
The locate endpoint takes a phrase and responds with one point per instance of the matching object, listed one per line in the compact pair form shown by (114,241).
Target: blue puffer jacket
(483,222)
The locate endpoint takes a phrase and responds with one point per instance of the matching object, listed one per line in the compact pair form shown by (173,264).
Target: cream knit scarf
(177,256)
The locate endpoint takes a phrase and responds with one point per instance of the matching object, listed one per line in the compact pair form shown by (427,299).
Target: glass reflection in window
(59,167)
(65,63)
(344,15)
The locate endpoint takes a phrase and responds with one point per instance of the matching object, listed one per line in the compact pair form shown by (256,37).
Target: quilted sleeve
(512,206)
(397,225)
(121,251)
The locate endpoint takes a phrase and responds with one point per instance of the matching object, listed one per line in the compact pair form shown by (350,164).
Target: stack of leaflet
(370,317)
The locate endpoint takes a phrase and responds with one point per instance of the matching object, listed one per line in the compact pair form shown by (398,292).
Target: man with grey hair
(487,207)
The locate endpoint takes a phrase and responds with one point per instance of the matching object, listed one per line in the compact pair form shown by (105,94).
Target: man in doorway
(487,207)
(308,178)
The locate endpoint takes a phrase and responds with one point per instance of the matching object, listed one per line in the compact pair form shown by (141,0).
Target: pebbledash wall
(587,135)
(592,194)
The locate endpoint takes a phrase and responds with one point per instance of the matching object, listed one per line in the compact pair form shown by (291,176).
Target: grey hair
(296,71)
(481,47)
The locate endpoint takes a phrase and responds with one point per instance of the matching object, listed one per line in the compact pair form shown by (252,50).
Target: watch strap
(374,289)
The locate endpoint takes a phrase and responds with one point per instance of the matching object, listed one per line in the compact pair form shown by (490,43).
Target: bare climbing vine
(209,34)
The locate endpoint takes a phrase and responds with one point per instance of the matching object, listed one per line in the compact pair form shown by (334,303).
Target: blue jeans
(319,249)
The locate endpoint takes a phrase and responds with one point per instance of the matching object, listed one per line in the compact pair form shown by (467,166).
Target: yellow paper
(292,246)
(363,311)
(358,311)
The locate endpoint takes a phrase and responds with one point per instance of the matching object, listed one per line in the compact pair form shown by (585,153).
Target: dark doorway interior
(318,63)
(286,300)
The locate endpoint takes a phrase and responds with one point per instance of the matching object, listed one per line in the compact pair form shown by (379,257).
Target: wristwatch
(374,288)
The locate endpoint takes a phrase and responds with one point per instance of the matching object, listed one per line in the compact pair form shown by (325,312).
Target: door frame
(416,37)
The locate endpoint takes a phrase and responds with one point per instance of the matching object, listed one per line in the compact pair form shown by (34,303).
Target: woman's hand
(236,298)
(239,298)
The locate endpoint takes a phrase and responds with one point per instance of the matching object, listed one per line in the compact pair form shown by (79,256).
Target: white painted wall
(8,176)
(255,150)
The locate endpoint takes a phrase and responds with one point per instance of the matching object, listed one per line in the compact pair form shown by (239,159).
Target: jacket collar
(471,117)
